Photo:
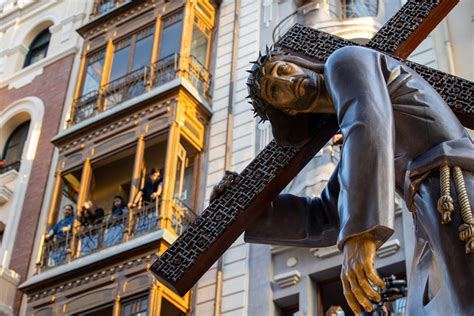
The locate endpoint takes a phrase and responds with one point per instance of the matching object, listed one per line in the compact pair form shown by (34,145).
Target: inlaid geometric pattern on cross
(226,218)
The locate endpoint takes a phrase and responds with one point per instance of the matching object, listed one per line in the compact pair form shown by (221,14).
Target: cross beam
(226,218)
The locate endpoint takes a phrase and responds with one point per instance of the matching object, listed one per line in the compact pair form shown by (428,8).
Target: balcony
(139,82)
(86,240)
(11,166)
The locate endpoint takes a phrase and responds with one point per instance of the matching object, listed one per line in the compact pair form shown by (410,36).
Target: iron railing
(11,166)
(102,7)
(345,9)
(125,88)
(109,231)
(139,82)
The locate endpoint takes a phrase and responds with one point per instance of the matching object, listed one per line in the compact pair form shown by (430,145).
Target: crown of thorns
(253,82)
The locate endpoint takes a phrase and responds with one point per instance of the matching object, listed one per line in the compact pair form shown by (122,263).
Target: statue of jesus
(399,136)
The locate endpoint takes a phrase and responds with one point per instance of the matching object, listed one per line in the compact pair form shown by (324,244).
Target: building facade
(159,85)
(37,57)
(136,133)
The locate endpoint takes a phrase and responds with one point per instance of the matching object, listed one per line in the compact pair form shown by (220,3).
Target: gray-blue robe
(397,132)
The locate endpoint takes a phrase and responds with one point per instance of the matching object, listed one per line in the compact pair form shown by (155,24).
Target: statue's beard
(311,91)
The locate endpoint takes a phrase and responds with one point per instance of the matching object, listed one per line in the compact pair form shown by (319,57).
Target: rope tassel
(466,230)
(445,202)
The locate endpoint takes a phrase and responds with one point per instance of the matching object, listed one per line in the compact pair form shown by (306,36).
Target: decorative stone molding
(389,248)
(325,252)
(288,278)
(5,194)
(102,132)
(9,280)
(84,279)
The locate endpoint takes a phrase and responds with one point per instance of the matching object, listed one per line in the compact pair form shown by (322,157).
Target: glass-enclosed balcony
(111,231)
(110,201)
(141,81)
(143,56)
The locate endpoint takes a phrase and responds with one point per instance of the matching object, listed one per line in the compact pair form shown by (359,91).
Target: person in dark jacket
(152,188)
(90,214)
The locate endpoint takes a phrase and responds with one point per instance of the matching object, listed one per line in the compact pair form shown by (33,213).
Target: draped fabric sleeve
(299,221)
(355,81)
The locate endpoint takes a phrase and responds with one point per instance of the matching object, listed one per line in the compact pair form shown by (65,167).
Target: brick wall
(50,87)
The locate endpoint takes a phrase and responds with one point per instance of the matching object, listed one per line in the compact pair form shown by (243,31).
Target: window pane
(171,36)
(137,307)
(37,54)
(187,194)
(120,63)
(142,55)
(93,73)
(38,48)
(15,143)
(199,45)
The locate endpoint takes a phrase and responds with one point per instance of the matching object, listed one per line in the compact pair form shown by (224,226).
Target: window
(171,35)
(351,8)
(13,149)
(200,42)
(136,307)
(132,53)
(93,74)
(38,48)
(168,309)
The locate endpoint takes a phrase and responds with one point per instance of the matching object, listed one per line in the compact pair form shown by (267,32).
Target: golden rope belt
(446,204)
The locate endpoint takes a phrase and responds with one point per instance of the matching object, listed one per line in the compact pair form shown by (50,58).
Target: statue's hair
(260,107)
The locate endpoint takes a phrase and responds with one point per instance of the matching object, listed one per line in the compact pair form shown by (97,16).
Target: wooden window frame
(83,74)
(163,25)
(132,37)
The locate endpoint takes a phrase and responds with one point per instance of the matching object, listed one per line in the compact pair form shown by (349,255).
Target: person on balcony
(151,190)
(116,222)
(57,239)
(62,228)
(148,197)
(90,214)
(88,217)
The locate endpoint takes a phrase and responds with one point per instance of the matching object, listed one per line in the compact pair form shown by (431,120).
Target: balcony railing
(138,82)
(110,231)
(102,7)
(346,9)
(11,166)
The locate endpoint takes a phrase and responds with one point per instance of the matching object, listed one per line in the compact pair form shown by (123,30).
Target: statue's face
(288,86)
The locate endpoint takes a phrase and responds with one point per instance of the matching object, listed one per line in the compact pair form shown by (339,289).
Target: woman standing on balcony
(148,198)
(88,216)
(116,222)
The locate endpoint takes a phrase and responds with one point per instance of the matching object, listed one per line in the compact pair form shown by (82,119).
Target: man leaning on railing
(59,236)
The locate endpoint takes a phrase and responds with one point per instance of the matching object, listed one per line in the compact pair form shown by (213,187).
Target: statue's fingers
(366,287)
(350,298)
(358,293)
(373,276)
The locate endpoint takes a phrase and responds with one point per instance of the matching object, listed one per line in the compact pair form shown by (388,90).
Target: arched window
(14,146)
(38,48)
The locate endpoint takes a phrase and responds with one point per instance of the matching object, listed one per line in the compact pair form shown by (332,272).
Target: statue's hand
(225,182)
(357,269)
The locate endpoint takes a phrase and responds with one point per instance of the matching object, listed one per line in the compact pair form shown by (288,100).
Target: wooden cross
(227,217)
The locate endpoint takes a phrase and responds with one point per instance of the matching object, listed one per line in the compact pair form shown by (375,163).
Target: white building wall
(235,267)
